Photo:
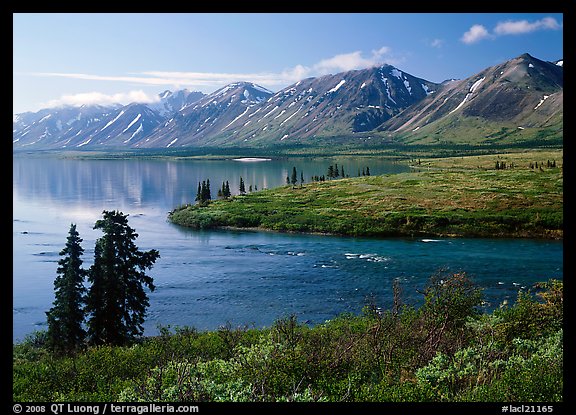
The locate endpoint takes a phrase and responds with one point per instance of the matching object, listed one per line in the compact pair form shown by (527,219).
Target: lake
(207,279)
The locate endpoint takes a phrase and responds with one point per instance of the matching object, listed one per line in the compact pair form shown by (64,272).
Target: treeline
(501,165)
(335,173)
(204,193)
(445,350)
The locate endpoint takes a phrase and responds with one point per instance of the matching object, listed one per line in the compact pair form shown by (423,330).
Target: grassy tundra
(457,196)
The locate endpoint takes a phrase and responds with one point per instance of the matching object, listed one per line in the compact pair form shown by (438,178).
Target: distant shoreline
(251,159)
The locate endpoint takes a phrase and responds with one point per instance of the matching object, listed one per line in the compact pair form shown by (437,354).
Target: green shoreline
(460,197)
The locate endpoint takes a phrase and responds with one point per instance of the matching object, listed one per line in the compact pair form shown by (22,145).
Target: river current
(207,279)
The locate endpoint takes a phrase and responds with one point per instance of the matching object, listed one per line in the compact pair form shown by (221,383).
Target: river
(206,279)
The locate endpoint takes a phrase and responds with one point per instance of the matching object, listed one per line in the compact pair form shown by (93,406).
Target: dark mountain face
(384,101)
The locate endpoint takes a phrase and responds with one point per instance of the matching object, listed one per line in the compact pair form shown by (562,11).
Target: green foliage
(116,300)
(531,371)
(445,350)
(533,316)
(294,177)
(65,319)
(482,203)
(203,194)
(448,303)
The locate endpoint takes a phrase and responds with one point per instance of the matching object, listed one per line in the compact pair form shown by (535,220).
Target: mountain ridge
(523,95)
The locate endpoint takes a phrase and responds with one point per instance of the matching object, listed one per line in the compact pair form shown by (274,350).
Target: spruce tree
(206,194)
(66,317)
(116,300)
(294,178)
(242,186)
(227,190)
(330,171)
(199,193)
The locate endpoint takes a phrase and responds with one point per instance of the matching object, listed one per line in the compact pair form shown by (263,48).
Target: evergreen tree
(222,191)
(66,317)
(367,171)
(203,192)
(330,172)
(206,194)
(242,187)
(336,172)
(294,178)
(227,190)
(116,300)
(301,178)
(199,193)
(342,172)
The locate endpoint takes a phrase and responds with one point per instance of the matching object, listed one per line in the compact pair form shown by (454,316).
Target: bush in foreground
(445,350)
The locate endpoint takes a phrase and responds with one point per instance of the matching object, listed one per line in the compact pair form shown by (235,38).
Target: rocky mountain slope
(345,103)
(514,97)
(515,101)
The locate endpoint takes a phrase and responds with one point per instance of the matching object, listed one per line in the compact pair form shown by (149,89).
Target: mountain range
(515,102)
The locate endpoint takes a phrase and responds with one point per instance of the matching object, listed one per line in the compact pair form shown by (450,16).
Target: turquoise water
(207,279)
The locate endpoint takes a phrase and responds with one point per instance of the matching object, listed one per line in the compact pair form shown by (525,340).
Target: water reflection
(140,183)
(205,279)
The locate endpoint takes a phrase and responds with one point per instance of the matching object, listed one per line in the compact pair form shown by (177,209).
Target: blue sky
(93,58)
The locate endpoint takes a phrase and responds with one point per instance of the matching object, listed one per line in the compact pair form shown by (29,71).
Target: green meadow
(457,196)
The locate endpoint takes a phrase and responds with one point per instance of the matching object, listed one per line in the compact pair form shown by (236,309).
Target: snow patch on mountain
(113,121)
(337,87)
(542,101)
(235,119)
(473,88)
(132,123)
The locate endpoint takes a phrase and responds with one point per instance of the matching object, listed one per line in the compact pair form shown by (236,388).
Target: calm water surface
(207,279)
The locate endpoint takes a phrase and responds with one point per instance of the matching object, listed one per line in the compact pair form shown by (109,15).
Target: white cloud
(214,80)
(510,27)
(98,98)
(518,27)
(351,61)
(475,34)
